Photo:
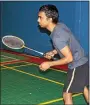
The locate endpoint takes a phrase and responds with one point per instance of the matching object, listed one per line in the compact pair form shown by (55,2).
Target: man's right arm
(50,54)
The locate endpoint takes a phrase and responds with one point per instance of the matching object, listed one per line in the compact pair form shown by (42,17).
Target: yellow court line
(50,68)
(5,58)
(56,100)
(33,75)
(2,68)
(9,57)
(58,70)
(22,65)
(37,64)
(19,65)
(8,61)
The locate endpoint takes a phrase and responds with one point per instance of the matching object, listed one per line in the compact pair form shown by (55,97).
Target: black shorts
(77,79)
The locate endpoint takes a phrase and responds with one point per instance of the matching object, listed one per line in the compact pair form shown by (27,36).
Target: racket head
(13,42)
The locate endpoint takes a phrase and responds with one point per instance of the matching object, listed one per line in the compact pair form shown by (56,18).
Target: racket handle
(53,58)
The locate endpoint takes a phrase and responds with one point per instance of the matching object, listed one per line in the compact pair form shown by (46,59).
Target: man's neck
(51,27)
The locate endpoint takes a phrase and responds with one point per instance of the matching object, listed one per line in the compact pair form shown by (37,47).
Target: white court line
(9,57)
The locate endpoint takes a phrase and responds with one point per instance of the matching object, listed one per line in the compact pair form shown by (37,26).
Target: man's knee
(67,95)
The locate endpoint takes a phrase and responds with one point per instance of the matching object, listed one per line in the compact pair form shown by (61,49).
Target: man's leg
(67,98)
(86,94)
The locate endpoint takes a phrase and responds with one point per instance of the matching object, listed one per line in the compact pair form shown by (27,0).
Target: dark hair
(51,12)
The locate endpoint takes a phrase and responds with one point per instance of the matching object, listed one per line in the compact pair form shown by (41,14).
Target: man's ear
(50,19)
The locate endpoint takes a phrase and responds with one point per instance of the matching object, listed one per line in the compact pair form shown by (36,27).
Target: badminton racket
(14,42)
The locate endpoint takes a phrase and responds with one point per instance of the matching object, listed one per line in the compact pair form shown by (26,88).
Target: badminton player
(70,51)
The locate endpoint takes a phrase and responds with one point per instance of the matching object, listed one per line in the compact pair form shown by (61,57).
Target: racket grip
(53,58)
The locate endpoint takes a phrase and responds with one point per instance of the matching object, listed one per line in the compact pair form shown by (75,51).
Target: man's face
(43,20)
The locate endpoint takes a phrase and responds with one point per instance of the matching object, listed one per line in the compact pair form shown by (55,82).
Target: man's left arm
(65,60)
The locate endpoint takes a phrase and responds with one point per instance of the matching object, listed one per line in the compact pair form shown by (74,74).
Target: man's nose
(38,20)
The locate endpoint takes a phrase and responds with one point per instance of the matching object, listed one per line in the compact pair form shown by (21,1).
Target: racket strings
(13,42)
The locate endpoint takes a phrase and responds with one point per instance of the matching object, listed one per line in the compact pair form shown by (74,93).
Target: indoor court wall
(19,18)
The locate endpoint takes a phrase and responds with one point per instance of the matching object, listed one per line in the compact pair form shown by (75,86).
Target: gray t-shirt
(61,37)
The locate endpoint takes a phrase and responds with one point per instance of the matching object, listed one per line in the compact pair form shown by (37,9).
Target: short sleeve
(61,40)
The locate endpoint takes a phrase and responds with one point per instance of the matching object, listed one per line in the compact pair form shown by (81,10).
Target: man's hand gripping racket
(14,42)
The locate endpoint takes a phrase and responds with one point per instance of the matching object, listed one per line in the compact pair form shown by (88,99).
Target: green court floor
(24,83)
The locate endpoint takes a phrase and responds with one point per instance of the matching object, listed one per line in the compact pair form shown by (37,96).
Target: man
(69,49)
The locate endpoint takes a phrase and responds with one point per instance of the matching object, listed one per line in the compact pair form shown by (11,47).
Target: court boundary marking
(26,55)
(11,62)
(4,58)
(21,65)
(43,78)
(18,61)
(58,99)
(28,63)
(9,57)
(48,102)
